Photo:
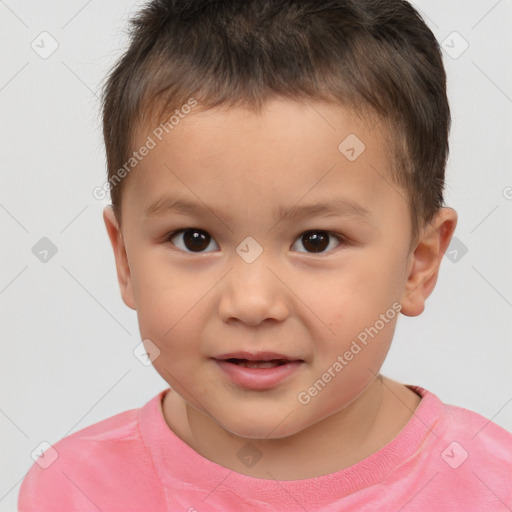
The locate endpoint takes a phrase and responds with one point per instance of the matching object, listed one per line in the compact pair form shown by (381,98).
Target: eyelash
(340,238)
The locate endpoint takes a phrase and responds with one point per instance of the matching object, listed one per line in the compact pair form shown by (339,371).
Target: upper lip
(258,356)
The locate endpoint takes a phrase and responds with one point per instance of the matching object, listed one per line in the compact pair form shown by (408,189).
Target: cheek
(351,296)
(173,321)
(175,327)
(166,297)
(358,315)
(377,277)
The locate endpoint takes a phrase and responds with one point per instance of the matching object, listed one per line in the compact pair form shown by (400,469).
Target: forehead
(240,160)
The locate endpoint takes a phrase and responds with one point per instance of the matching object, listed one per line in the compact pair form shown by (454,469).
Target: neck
(334,443)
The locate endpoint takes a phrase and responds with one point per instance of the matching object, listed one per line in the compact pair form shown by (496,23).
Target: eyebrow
(332,208)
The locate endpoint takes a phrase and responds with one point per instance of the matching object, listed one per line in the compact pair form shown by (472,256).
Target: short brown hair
(378,56)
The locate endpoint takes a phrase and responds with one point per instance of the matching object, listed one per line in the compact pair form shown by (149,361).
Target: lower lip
(258,378)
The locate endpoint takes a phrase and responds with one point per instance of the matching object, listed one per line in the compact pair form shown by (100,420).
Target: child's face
(200,299)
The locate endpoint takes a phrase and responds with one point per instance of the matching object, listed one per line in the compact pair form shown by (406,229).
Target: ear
(425,261)
(123,268)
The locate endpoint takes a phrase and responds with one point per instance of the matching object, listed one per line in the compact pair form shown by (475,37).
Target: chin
(261,427)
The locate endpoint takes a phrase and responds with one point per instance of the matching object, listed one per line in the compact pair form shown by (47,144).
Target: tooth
(259,364)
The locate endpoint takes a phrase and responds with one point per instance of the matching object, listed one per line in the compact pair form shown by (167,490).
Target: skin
(311,305)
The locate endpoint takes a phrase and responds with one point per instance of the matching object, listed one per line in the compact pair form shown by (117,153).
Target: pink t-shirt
(445,459)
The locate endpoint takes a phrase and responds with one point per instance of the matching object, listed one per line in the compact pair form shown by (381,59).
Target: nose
(252,293)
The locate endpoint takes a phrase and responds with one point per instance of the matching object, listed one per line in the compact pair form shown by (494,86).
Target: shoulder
(453,420)
(461,424)
(100,438)
(462,460)
(68,474)
(472,449)
(480,432)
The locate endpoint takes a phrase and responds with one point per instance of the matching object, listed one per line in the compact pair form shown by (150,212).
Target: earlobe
(425,261)
(122,266)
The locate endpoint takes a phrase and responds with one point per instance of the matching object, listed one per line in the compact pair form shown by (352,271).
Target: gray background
(67,338)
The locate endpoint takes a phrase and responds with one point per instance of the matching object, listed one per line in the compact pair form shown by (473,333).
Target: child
(276,170)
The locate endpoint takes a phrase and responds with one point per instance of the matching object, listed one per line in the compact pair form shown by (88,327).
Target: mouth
(257,360)
(246,363)
(259,371)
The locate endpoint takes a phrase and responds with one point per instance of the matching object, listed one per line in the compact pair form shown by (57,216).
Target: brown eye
(193,240)
(317,241)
